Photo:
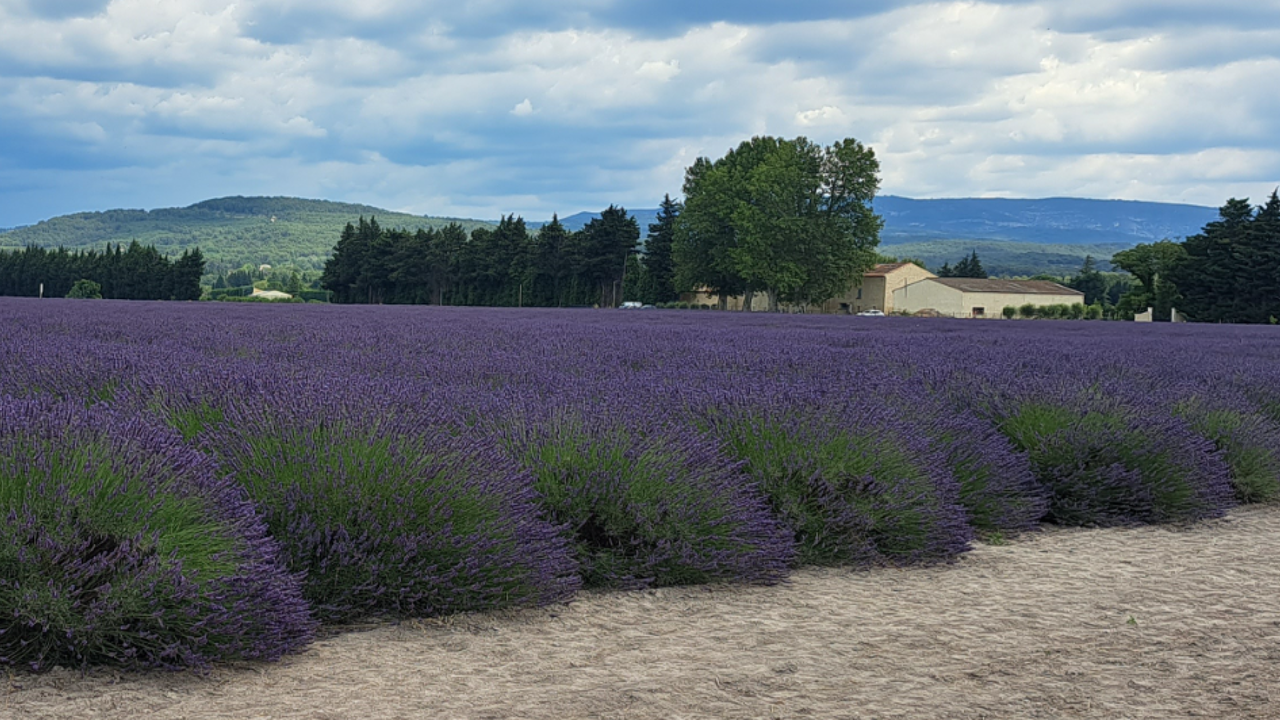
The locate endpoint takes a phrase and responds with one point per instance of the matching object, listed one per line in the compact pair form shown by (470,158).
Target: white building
(980,297)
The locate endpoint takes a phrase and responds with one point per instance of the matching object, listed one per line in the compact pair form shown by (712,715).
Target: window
(859,294)
(979,312)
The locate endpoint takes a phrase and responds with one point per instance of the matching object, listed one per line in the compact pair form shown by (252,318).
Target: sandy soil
(1132,623)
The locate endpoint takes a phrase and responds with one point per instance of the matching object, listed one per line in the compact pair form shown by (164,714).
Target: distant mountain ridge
(1070,221)
(1012,236)
(1058,221)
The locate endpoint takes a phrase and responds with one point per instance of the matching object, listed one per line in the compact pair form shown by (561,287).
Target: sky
(483,108)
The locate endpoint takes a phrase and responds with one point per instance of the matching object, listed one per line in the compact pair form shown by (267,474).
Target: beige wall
(951,302)
(877,291)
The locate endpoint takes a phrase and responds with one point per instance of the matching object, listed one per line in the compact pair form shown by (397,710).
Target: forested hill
(229,231)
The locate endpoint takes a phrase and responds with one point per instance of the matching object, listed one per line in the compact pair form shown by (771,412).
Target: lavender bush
(854,488)
(651,508)
(1249,443)
(121,546)
(386,515)
(1113,466)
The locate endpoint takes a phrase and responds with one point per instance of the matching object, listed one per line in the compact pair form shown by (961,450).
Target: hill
(229,231)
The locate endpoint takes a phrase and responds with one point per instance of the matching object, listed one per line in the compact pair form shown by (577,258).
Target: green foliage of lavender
(122,547)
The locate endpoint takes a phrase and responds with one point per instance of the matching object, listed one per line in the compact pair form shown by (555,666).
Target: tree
(348,273)
(186,273)
(1151,265)
(85,290)
(1089,281)
(970,267)
(659,265)
(633,280)
(786,217)
(604,245)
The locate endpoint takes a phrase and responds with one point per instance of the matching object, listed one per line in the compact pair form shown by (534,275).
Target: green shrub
(1027,311)
(1009,312)
(85,290)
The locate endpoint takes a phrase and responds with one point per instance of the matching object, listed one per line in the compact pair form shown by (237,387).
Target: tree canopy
(789,218)
(1230,271)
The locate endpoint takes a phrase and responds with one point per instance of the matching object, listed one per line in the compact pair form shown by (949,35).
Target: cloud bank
(485,108)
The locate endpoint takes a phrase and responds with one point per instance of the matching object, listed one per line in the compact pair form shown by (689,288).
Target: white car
(871,313)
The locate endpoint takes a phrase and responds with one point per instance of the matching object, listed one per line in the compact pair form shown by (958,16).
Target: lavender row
(417,461)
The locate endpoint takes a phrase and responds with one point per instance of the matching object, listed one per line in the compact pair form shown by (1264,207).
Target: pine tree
(659,266)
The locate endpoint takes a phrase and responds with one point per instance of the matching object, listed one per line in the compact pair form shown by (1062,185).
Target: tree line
(1229,272)
(137,272)
(787,218)
(504,266)
(969,267)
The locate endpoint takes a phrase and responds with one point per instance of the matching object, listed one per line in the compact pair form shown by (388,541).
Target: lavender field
(191,483)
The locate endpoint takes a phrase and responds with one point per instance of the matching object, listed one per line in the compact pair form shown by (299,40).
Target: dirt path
(1137,623)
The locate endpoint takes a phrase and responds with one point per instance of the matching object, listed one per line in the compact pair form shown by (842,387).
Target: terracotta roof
(884,269)
(992,285)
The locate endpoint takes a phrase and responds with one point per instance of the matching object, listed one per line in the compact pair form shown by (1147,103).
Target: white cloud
(957,98)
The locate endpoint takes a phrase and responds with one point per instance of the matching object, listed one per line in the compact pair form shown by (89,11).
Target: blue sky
(477,109)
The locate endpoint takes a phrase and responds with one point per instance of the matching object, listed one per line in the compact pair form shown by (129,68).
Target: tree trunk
(773,300)
(746,300)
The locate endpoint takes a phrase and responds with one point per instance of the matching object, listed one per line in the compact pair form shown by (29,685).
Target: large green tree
(789,218)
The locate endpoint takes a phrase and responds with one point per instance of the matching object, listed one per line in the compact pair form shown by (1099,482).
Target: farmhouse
(875,292)
(977,298)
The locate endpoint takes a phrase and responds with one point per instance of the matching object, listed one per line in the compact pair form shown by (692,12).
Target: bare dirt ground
(1131,623)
